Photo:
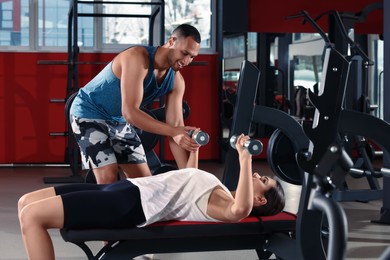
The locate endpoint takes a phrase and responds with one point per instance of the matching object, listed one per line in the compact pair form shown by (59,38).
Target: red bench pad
(282,222)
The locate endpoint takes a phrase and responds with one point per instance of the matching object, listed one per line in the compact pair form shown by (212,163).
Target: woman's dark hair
(275,202)
(186,30)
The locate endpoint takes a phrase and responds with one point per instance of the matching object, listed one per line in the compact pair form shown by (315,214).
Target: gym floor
(366,240)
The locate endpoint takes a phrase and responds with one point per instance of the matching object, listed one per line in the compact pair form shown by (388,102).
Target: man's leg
(106,174)
(135,170)
(92,136)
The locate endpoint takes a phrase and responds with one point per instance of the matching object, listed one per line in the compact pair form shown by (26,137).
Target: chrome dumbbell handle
(253,146)
(200,137)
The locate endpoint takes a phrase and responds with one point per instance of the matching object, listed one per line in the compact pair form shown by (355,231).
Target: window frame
(98,45)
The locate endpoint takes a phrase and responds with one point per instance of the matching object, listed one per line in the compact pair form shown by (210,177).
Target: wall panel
(27,116)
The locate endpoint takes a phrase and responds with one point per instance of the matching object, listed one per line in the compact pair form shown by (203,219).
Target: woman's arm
(243,199)
(193,159)
(225,208)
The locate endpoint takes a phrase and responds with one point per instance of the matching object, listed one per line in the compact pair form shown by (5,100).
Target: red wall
(271,16)
(27,116)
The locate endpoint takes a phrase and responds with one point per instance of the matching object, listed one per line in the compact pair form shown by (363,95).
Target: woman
(188,194)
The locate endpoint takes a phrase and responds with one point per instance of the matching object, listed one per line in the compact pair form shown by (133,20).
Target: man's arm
(181,145)
(131,67)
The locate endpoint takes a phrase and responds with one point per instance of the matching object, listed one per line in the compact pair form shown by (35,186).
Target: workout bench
(267,235)
(177,236)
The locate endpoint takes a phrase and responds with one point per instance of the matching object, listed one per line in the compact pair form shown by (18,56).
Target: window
(14,23)
(307,71)
(234,46)
(43,24)
(53,24)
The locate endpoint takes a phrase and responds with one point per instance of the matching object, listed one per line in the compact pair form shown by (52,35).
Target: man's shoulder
(136,50)
(136,55)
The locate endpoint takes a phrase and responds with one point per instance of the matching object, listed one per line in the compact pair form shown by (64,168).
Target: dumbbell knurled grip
(253,146)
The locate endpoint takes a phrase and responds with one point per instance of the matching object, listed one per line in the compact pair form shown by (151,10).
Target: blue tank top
(101,97)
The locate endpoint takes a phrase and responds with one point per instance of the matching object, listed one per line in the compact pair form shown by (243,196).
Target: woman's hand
(242,152)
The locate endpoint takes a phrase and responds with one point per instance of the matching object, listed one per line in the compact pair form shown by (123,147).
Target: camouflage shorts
(104,142)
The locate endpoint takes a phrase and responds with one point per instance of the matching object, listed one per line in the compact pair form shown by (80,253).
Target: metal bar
(113,15)
(154,13)
(338,224)
(74,153)
(162,23)
(57,100)
(58,134)
(33,165)
(64,62)
(115,2)
(199,63)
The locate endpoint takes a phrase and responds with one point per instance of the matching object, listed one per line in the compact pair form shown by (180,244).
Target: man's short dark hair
(186,30)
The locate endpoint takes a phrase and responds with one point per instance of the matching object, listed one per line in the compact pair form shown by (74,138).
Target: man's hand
(182,138)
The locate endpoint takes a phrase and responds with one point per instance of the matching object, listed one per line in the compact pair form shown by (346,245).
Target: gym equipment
(281,157)
(199,137)
(253,146)
(331,122)
(72,152)
(355,92)
(304,242)
(178,236)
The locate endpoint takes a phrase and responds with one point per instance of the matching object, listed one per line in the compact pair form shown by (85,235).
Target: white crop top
(177,195)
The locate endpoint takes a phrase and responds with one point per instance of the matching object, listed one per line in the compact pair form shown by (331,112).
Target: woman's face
(262,184)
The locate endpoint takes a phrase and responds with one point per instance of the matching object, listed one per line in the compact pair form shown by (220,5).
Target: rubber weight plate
(281,158)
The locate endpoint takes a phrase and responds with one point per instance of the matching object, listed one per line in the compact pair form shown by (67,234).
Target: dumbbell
(200,137)
(253,146)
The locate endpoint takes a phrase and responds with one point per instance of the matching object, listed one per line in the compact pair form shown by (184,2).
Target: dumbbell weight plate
(281,158)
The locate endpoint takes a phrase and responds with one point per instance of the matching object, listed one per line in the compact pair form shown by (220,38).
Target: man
(107,110)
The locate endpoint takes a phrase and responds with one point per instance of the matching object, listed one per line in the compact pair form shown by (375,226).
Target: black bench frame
(175,236)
